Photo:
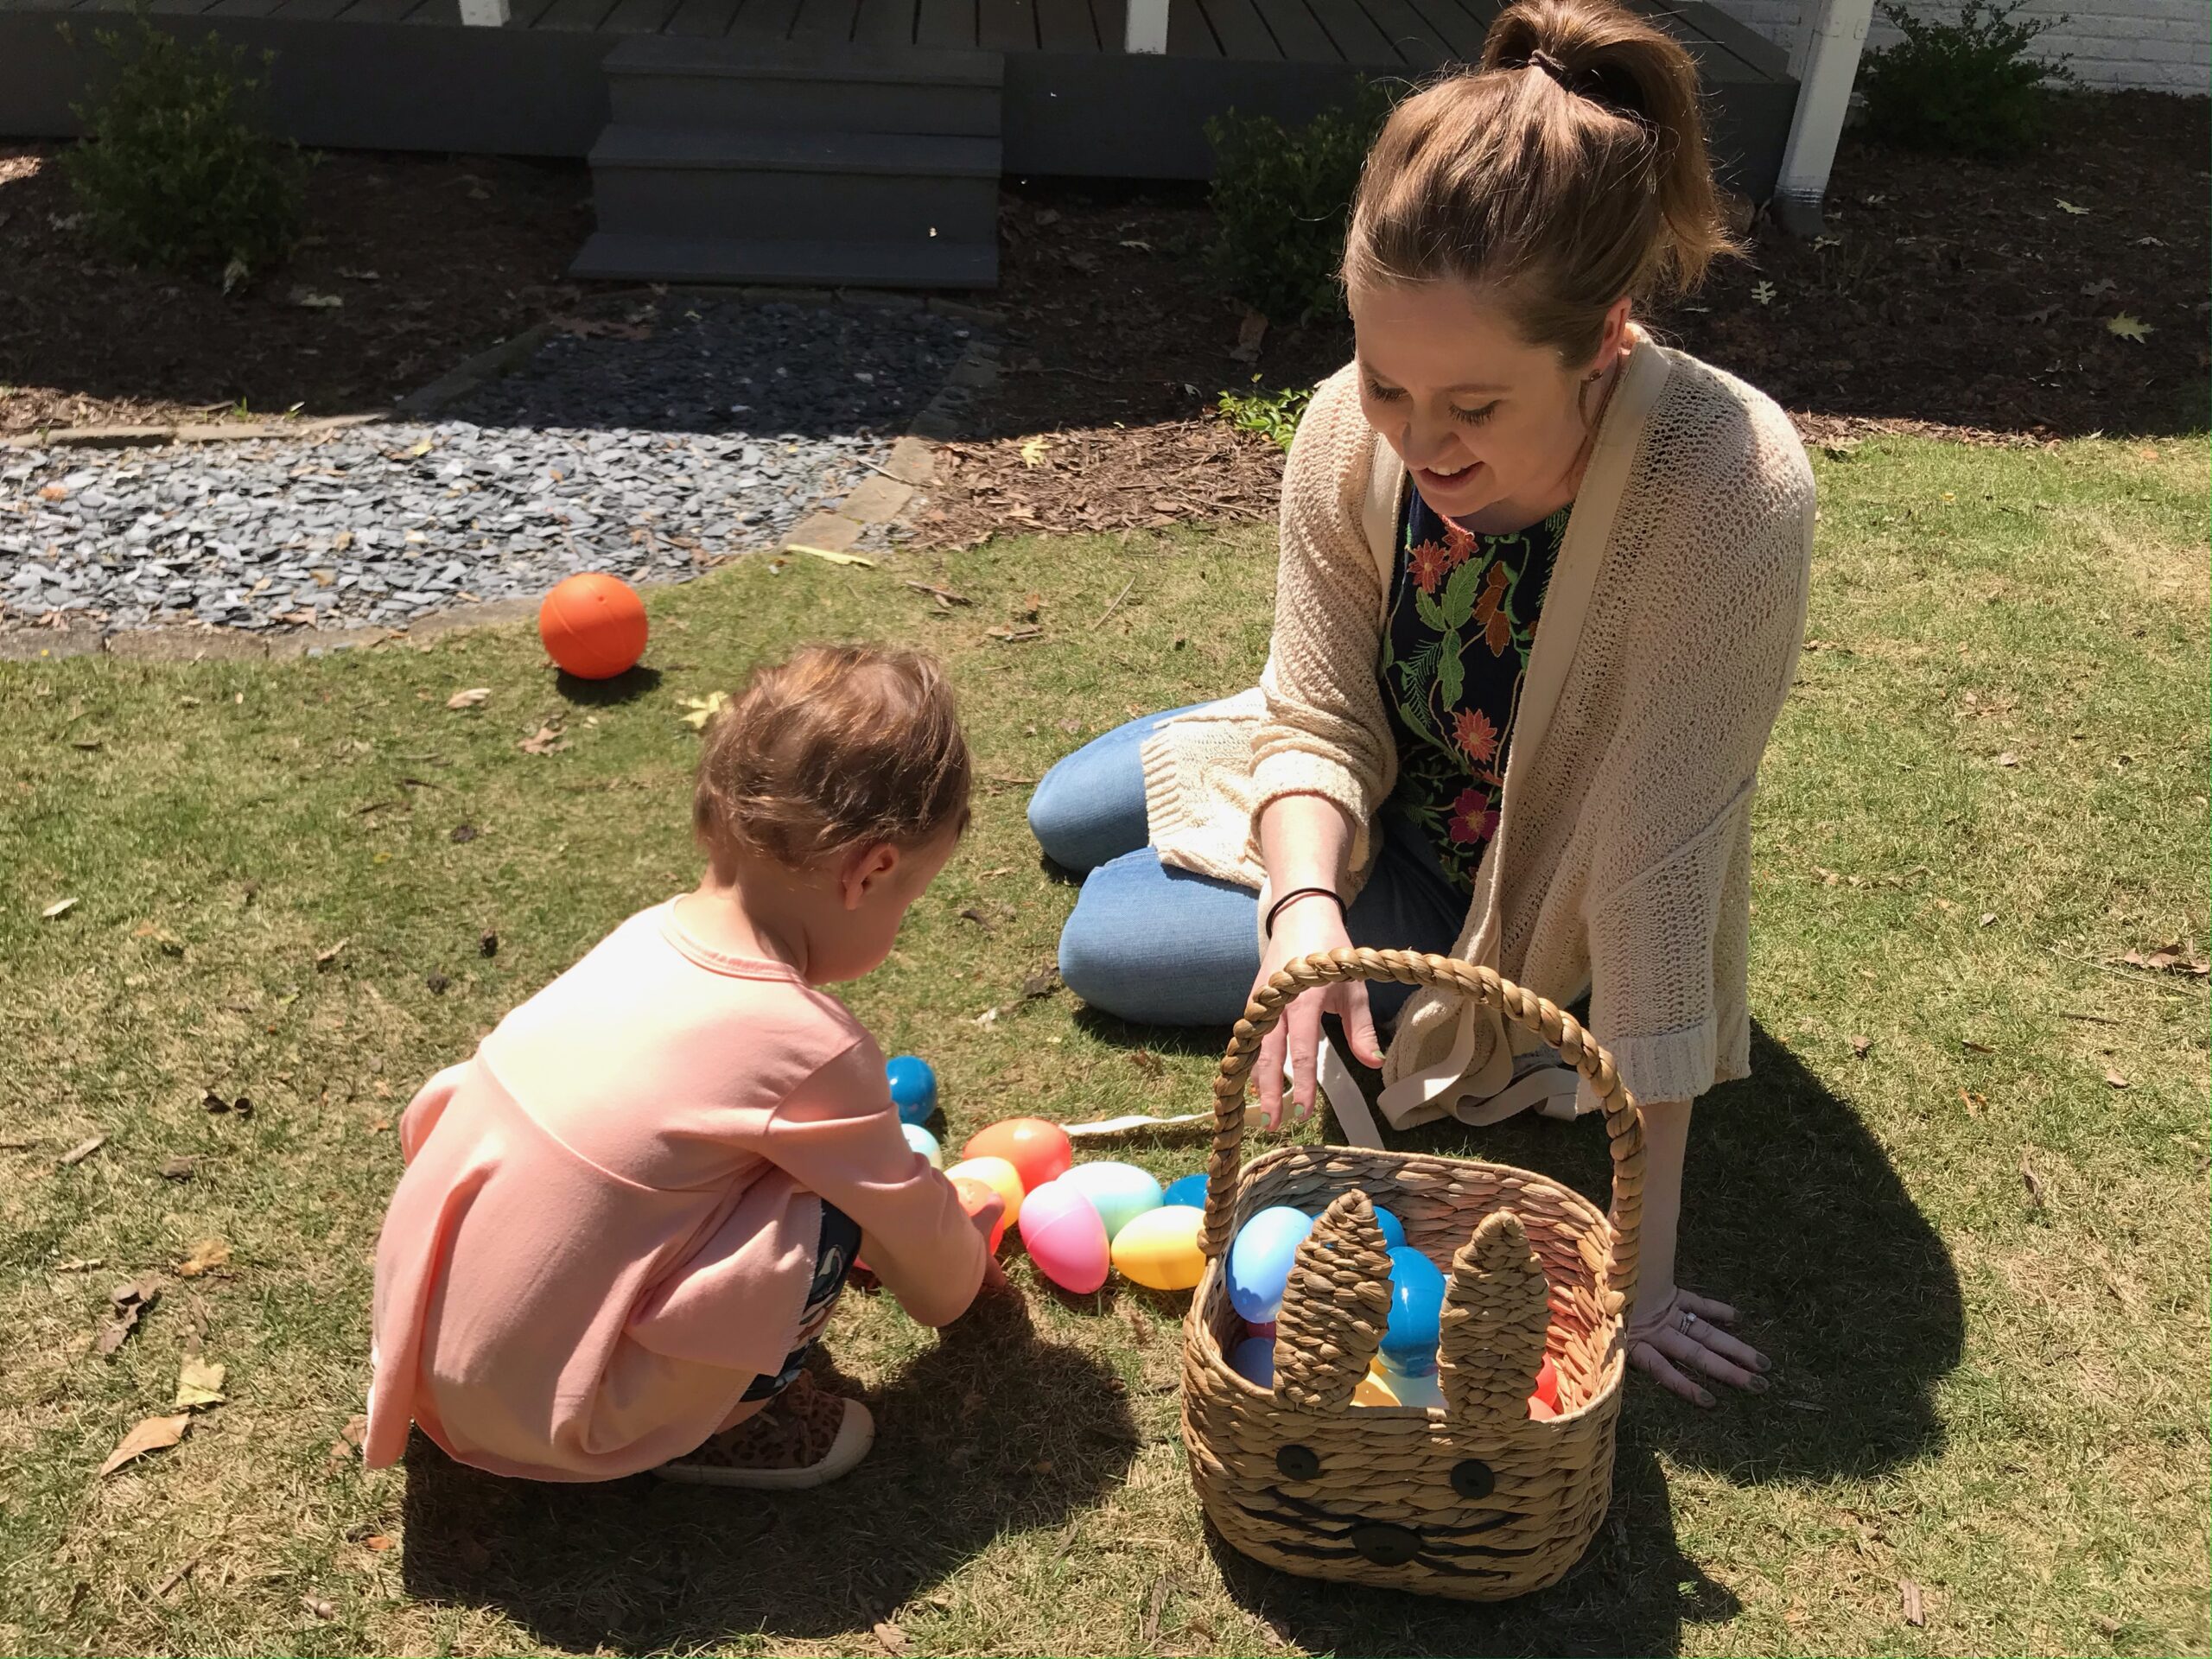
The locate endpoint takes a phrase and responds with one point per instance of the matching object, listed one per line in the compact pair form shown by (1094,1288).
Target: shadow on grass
(626,687)
(1793,1215)
(991,1430)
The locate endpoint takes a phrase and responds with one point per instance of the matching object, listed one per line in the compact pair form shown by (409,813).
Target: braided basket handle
(1483,986)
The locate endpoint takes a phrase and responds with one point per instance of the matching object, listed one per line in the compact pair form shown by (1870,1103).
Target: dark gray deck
(404,74)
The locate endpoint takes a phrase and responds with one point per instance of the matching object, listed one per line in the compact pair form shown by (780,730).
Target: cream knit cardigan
(1669,634)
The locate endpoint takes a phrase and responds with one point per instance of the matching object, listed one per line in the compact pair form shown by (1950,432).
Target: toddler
(624,1221)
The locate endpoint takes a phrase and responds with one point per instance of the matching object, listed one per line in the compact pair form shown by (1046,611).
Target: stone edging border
(878,500)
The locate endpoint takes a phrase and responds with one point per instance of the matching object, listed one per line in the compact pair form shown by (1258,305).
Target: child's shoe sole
(856,1434)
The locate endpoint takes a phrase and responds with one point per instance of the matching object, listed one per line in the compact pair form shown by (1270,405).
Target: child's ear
(864,870)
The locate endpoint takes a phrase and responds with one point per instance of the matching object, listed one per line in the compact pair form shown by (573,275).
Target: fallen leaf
(987,1017)
(1040,984)
(356,1430)
(357,276)
(1972,1047)
(379,1125)
(82,1150)
(893,1639)
(53,493)
(59,907)
(324,958)
(1140,246)
(2129,327)
(1762,293)
(2041,314)
(1147,1062)
(199,1383)
(1860,1045)
(2008,759)
(1916,1613)
(2070,207)
(2148,242)
(2116,1080)
(378,1541)
(462,833)
(2176,958)
(420,447)
(2104,285)
(179,1169)
(309,300)
(207,1255)
(702,709)
(1156,1602)
(315,1606)
(153,1434)
(547,740)
(488,945)
(438,984)
(1032,452)
(469,698)
(235,272)
(1988,916)
(830,555)
(2032,1181)
(1008,634)
(972,914)
(1251,329)
(1973,1102)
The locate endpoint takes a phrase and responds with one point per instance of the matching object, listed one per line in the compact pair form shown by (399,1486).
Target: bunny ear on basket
(1335,1307)
(1496,1310)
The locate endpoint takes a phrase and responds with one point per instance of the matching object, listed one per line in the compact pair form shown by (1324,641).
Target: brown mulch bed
(433,259)
(1958,299)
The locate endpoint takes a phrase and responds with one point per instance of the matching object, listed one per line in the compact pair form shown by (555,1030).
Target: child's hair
(835,747)
(1568,171)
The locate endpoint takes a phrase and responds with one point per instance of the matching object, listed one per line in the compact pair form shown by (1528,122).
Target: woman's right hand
(1306,926)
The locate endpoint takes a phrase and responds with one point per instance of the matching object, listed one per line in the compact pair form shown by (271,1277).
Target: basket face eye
(1471,1477)
(1298,1462)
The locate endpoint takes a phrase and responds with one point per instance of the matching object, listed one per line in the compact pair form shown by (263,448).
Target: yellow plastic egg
(1158,1249)
(997,1174)
(1373,1391)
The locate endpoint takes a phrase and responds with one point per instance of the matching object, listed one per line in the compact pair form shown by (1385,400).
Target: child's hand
(986,1211)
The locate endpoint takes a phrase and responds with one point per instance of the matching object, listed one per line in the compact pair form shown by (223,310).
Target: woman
(1541,587)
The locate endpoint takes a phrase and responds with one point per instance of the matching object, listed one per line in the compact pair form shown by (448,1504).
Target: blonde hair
(1567,171)
(836,747)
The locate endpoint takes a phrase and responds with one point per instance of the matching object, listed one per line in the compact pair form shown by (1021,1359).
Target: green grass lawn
(1989,784)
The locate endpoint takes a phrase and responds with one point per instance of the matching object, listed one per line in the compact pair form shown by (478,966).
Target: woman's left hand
(1683,1337)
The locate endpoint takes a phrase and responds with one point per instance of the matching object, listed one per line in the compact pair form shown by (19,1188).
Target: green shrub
(1968,88)
(173,171)
(1272,415)
(1283,199)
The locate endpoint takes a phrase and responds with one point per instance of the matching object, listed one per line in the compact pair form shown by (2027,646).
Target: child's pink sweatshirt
(609,1220)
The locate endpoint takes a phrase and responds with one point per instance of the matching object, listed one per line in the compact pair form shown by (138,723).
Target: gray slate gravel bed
(603,454)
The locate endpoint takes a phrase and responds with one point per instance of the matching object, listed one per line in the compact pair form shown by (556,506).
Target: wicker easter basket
(1478,1500)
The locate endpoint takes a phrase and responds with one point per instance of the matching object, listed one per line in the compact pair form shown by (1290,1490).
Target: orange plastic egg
(593,625)
(974,1195)
(995,1174)
(1039,1151)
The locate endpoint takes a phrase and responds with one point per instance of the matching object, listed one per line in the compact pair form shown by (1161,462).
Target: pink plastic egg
(1065,1238)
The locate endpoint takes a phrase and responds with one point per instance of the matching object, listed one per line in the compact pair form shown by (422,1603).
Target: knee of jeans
(1047,819)
(1094,961)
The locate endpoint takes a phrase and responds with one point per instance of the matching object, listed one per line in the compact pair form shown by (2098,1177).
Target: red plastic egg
(1039,1151)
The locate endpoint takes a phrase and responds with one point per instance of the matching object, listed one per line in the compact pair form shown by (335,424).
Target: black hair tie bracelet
(1292,898)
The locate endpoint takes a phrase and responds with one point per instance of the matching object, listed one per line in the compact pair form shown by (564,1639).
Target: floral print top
(1455,649)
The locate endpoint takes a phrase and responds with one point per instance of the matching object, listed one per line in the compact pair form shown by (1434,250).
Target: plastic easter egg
(1374,1389)
(997,1174)
(925,1143)
(1191,1190)
(1416,1307)
(1421,1390)
(1119,1193)
(1259,1327)
(1547,1392)
(1260,1259)
(1393,1230)
(1539,1412)
(1159,1249)
(1065,1236)
(973,1194)
(1253,1359)
(1038,1151)
(913,1088)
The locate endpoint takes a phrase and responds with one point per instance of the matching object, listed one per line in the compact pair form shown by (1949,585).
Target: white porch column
(1827,63)
(1147,28)
(483,14)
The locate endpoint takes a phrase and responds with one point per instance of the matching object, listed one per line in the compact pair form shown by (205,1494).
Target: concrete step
(809,187)
(938,263)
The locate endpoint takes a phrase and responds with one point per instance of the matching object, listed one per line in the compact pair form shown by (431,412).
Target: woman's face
(1481,418)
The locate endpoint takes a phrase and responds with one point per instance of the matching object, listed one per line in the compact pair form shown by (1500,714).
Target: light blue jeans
(1159,946)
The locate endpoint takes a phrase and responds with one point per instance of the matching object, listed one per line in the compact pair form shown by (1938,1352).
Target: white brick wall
(2164,45)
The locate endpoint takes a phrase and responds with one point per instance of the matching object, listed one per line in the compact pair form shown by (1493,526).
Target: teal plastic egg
(925,1143)
(1260,1261)
(1416,1309)
(1119,1193)
(1191,1190)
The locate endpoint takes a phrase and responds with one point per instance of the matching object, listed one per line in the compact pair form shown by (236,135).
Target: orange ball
(1038,1150)
(593,625)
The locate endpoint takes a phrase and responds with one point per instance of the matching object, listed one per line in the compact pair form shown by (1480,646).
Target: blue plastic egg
(1253,1359)
(1421,1389)
(1191,1190)
(1260,1261)
(913,1088)
(1119,1193)
(1393,1230)
(925,1143)
(1416,1308)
